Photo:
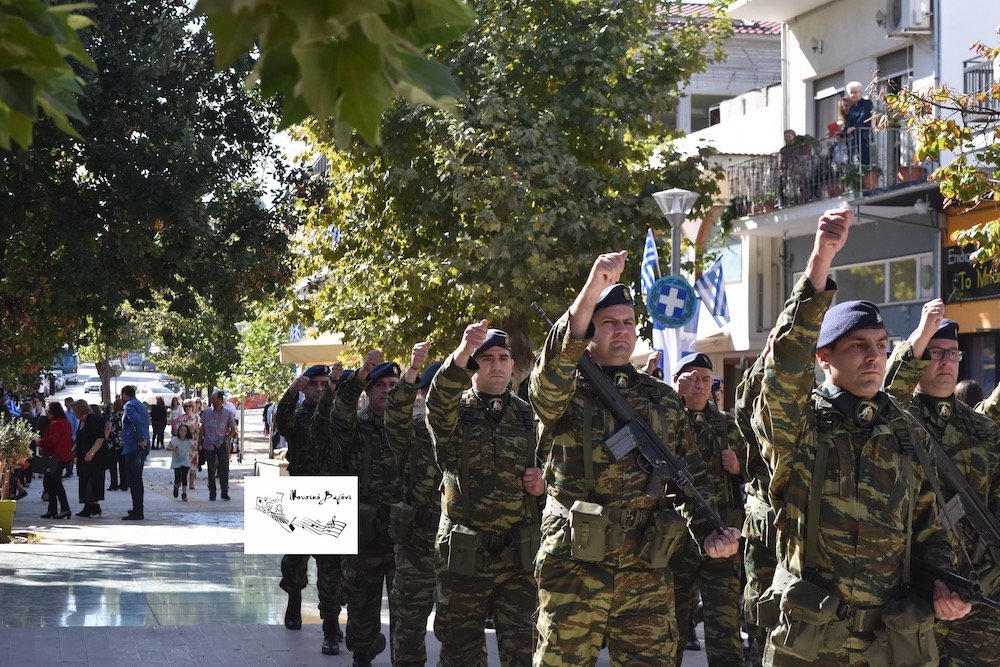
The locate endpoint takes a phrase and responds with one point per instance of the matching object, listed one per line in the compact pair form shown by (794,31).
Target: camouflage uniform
(871,492)
(482,447)
(361,437)
(413,585)
(623,599)
(990,406)
(758,527)
(309,454)
(972,442)
(718,579)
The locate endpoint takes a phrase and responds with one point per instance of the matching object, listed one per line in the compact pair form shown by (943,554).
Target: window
(827,92)
(897,280)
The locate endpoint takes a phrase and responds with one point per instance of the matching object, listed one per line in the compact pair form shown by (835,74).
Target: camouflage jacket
(409,437)
(360,436)
(574,419)
(482,458)
(713,432)
(990,406)
(970,439)
(306,455)
(867,492)
(754,466)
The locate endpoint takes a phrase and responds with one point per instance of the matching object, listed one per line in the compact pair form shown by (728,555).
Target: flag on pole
(650,264)
(678,342)
(711,287)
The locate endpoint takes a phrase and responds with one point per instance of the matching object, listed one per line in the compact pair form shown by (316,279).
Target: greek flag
(712,290)
(650,264)
(296,332)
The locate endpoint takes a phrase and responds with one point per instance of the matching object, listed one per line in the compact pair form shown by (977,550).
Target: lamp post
(675,204)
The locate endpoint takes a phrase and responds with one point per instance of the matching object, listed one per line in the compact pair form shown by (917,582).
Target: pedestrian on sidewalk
(158,418)
(90,459)
(193,422)
(180,448)
(218,428)
(56,441)
(135,447)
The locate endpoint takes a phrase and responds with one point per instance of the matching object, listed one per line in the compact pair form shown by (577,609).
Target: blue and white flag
(295,333)
(650,265)
(711,287)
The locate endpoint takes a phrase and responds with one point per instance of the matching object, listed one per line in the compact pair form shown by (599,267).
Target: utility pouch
(768,608)
(989,579)
(367,522)
(463,550)
(806,610)
(909,630)
(663,535)
(401,518)
(588,531)
(526,539)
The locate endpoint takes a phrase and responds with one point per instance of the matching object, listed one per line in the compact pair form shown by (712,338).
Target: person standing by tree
(135,448)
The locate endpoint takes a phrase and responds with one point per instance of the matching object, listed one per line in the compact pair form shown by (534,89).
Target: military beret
(428,374)
(694,360)
(494,338)
(345,376)
(845,317)
(616,295)
(947,330)
(384,370)
(317,371)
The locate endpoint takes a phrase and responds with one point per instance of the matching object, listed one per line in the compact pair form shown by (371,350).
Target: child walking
(180,458)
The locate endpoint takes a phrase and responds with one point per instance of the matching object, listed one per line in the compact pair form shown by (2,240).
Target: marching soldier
(602,572)
(718,444)
(852,503)
(923,372)
(484,442)
(990,406)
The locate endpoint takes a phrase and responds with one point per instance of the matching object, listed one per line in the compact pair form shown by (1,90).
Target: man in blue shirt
(135,446)
(74,424)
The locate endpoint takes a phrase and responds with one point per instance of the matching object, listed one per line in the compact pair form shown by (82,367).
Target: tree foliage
(341,60)
(553,157)
(35,42)
(968,125)
(259,367)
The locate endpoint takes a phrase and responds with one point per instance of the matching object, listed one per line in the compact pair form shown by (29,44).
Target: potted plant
(15,446)
(860,177)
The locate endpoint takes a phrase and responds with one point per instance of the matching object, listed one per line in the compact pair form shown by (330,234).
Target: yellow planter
(7,516)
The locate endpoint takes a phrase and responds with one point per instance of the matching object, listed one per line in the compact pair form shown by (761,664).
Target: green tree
(343,61)
(198,347)
(35,42)
(259,368)
(552,159)
(968,125)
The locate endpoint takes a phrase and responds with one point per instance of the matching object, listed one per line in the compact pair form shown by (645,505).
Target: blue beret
(494,338)
(345,376)
(616,295)
(316,371)
(428,374)
(694,360)
(845,317)
(384,370)
(947,330)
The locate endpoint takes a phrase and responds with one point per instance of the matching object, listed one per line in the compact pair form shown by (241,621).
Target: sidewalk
(174,589)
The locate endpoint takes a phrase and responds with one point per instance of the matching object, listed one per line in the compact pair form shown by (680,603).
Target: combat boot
(293,612)
(365,659)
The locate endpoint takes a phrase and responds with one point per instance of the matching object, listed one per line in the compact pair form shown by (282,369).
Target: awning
(324,349)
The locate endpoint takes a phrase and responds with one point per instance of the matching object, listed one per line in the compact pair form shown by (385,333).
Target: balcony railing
(809,171)
(978,75)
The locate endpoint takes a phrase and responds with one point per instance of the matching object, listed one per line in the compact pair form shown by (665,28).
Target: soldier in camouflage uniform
(720,447)
(923,372)
(308,455)
(602,572)
(414,521)
(360,435)
(990,406)
(484,443)
(844,540)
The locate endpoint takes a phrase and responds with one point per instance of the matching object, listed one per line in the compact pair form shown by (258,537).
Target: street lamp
(675,204)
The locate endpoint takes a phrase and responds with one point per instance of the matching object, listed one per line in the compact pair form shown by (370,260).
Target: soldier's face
(695,386)
(496,368)
(614,335)
(378,393)
(941,375)
(856,362)
(314,389)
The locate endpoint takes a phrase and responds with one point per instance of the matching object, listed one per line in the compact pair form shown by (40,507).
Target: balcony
(978,78)
(811,171)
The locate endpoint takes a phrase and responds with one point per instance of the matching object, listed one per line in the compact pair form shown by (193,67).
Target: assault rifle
(654,457)
(923,576)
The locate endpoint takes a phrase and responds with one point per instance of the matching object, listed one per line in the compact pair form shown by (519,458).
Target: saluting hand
(299,383)
(418,355)
(606,271)
(372,359)
(831,233)
(336,370)
(472,338)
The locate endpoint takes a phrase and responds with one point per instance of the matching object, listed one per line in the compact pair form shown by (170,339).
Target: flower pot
(7,516)
(870,180)
(906,174)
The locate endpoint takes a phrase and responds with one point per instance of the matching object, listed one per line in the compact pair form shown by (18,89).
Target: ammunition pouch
(805,613)
(588,525)
(907,638)
(526,539)
(463,544)
(663,535)
(401,519)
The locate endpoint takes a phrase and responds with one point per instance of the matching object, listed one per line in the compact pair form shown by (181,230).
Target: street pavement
(175,589)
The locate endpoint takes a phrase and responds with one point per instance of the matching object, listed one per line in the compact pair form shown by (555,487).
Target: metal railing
(812,170)
(978,78)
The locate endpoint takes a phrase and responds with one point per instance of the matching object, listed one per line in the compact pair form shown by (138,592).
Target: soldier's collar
(621,376)
(699,417)
(863,412)
(939,409)
(492,403)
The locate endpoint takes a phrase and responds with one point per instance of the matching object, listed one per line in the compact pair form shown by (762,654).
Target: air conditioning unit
(908,16)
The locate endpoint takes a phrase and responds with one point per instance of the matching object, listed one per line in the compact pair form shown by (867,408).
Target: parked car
(148,393)
(60,378)
(93,383)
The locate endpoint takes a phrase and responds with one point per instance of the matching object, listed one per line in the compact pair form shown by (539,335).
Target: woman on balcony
(858,124)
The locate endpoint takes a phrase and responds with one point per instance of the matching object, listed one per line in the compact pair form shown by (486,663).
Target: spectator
(56,441)
(218,428)
(858,124)
(113,436)
(176,412)
(158,418)
(90,458)
(74,424)
(135,448)
(191,419)
(180,446)
(969,392)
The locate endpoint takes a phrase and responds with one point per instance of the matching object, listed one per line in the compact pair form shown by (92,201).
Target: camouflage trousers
(719,583)
(973,640)
(498,589)
(413,591)
(364,578)
(759,562)
(583,605)
(329,580)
